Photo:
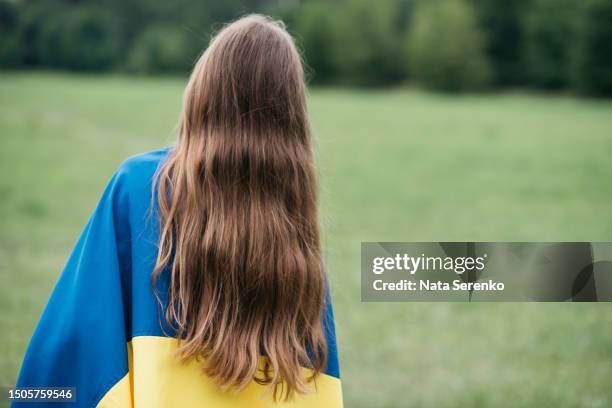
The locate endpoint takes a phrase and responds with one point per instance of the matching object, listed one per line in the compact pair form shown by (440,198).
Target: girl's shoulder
(144,165)
(134,179)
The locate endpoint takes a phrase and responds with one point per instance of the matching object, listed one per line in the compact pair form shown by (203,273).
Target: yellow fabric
(119,396)
(157,380)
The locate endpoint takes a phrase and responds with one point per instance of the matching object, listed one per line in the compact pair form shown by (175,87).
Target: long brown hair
(239,226)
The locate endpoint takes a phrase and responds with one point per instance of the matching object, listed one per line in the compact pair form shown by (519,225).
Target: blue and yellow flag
(101,331)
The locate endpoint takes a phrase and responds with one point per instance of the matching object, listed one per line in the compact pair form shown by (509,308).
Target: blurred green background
(513,151)
(441,44)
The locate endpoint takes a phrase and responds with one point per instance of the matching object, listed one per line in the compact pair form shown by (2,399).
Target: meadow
(395,165)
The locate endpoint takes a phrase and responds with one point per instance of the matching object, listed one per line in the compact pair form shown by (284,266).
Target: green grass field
(396,165)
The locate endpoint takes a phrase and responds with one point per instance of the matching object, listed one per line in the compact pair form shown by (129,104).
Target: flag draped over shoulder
(101,331)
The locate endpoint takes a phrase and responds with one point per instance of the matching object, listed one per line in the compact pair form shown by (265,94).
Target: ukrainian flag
(101,331)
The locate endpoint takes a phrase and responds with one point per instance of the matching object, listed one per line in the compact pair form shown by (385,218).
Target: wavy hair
(239,233)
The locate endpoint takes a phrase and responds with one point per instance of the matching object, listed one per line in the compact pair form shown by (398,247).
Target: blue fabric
(104,298)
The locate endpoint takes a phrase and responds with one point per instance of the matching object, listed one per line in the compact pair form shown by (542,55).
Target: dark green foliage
(9,47)
(162,49)
(444,44)
(548,35)
(313,28)
(502,24)
(368,42)
(445,48)
(592,51)
(20,43)
(80,38)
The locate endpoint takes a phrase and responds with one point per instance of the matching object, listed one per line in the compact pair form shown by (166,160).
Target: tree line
(448,45)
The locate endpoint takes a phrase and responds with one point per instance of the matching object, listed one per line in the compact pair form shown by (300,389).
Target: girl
(211,293)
